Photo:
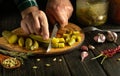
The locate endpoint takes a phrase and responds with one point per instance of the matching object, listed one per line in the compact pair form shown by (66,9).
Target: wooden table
(68,64)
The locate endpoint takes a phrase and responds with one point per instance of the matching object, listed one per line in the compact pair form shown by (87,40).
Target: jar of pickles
(91,12)
(114,13)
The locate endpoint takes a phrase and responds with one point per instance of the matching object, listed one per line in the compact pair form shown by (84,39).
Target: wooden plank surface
(110,65)
(86,68)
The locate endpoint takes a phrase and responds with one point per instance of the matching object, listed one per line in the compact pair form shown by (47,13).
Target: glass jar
(91,12)
(114,11)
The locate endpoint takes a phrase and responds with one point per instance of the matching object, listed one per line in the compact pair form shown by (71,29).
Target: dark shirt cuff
(25,4)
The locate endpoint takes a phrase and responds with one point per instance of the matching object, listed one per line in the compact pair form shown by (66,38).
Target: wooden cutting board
(54,51)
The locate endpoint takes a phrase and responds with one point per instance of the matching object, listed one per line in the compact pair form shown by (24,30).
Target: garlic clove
(84,48)
(91,47)
(112,36)
(100,38)
(84,54)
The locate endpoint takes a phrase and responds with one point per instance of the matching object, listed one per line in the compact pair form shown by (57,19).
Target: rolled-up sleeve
(23,4)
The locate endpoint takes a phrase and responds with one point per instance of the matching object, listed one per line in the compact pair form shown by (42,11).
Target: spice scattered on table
(38,59)
(34,67)
(47,65)
(54,59)
(60,60)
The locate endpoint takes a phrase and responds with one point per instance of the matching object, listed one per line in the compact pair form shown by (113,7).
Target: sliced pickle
(21,41)
(76,32)
(13,39)
(10,37)
(78,38)
(35,45)
(71,42)
(61,40)
(28,43)
(61,45)
(55,40)
(55,45)
(6,34)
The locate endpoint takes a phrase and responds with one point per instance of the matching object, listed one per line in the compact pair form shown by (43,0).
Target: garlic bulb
(112,36)
(100,38)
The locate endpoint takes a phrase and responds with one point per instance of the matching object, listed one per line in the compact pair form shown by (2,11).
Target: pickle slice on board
(28,43)
(35,45)
(6,34)
(10,37)
(21,41)
(13,39)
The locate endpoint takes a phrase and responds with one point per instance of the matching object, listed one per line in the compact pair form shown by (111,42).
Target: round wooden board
(54,51)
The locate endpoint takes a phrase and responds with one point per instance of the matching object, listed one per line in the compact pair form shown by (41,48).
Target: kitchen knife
(53,34)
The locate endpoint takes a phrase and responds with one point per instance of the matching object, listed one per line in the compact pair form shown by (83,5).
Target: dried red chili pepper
(107,53)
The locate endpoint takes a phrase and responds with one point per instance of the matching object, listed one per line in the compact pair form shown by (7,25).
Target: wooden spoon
(9,62)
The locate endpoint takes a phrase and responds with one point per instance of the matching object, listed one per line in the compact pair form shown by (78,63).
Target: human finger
(24,27)
(30,26)
(44,24)
(36,24)
(61,17)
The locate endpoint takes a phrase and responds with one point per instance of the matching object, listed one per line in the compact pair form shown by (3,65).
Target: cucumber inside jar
(91,13)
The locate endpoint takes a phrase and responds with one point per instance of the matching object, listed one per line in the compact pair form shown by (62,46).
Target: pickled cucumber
(61,40)
(61,45)
(76,32)
(55,45)
(28,43)
(10,37)
(78,38)
(55,40)
(32,41)
(21,41)
(35,45)
(6,34)
(38,38)
(71,42)
(13,39)
(58,45)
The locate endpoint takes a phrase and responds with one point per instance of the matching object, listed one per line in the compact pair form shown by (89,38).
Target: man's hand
(59,11)
(35,21)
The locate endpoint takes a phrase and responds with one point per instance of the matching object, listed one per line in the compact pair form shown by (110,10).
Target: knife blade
(53,34)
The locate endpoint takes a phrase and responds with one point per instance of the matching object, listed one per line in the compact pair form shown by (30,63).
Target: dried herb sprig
(18,55)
